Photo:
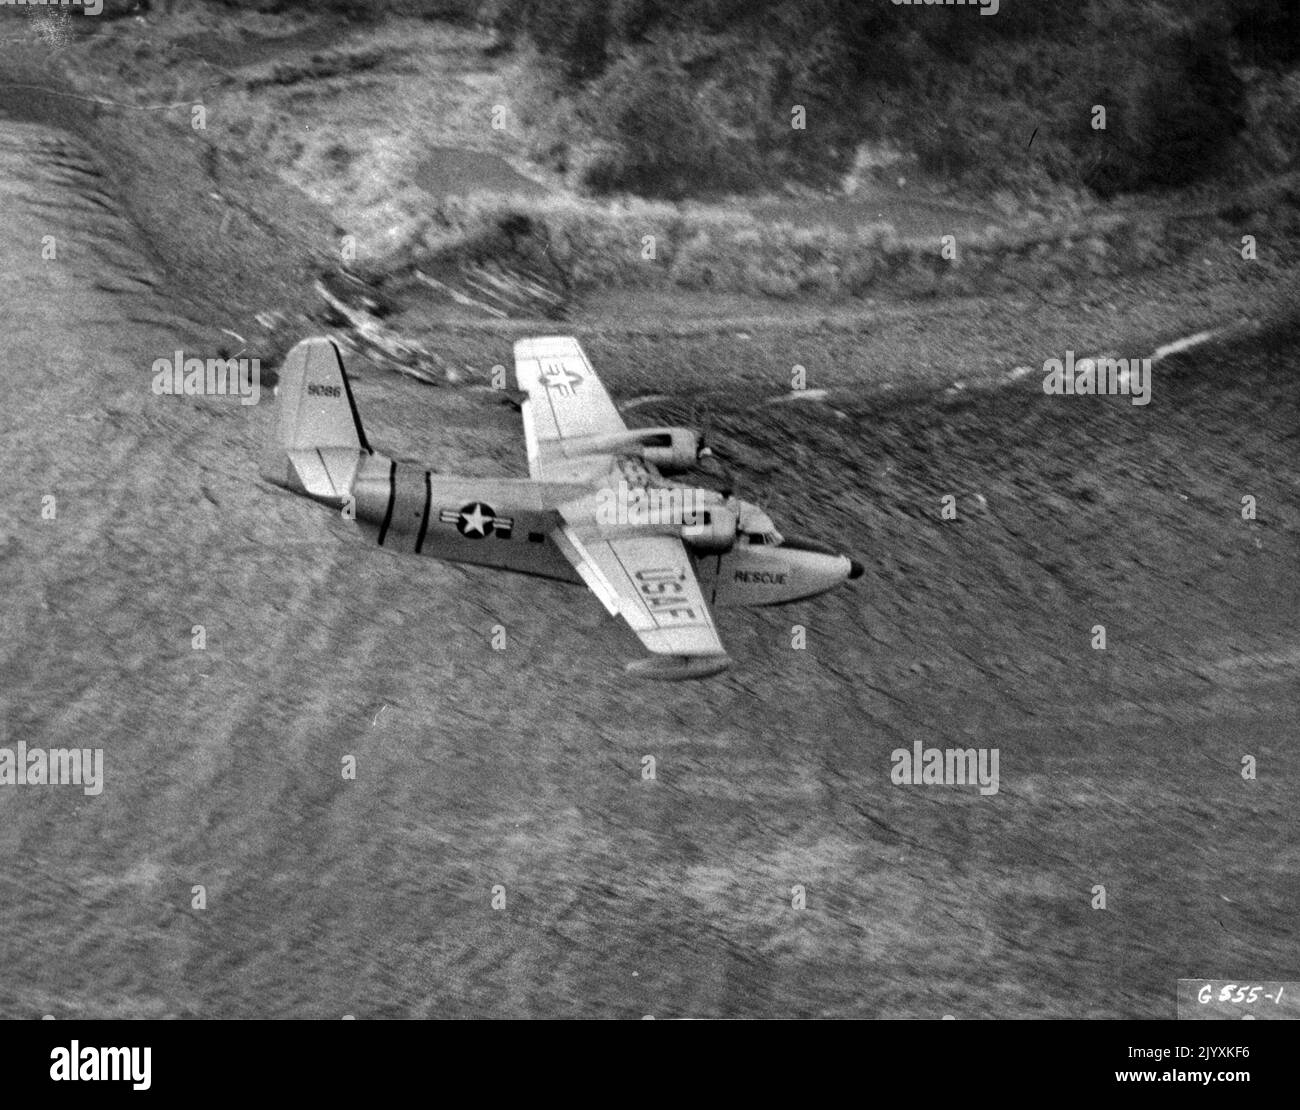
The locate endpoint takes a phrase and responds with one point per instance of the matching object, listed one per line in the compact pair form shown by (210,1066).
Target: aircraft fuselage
(507,523)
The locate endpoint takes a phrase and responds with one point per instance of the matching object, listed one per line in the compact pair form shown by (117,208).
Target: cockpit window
(757,538)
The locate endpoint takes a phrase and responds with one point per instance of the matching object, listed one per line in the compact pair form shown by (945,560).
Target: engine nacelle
(713,532)
(670,449)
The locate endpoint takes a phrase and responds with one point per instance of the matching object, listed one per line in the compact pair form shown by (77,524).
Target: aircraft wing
(650,582)
(565,400)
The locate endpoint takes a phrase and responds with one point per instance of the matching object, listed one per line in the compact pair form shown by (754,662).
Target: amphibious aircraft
(595,509)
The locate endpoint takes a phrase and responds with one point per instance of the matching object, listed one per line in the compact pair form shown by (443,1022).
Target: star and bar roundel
(477,521)
(559,378)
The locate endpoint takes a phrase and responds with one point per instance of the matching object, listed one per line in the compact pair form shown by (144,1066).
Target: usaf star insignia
(477,521)
(560,379)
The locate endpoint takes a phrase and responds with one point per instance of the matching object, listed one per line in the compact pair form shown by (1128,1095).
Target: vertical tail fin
(316,440)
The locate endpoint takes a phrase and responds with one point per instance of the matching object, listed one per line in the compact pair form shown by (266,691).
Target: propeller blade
(706,458)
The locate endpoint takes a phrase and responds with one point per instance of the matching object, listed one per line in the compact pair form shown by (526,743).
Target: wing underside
(648,581)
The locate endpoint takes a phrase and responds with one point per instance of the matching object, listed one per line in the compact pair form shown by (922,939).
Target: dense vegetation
(679,96)
(671,98)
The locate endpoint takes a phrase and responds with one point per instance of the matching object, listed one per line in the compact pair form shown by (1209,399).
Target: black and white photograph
(626,509)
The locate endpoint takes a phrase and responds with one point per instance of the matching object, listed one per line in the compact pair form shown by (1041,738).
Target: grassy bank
(588,245)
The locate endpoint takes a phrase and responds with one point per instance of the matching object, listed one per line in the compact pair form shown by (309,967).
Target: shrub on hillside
(355,11)
(660,136)
(574,33)
(1268,30)
(1173,124)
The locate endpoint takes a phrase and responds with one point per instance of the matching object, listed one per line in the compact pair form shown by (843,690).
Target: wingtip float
(677,668)
(595,510)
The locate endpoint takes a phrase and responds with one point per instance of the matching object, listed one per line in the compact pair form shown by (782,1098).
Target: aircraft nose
(855,569)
